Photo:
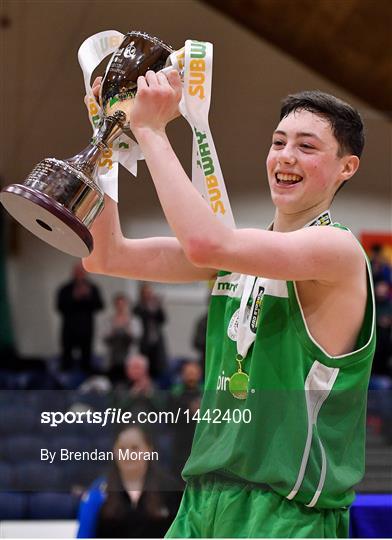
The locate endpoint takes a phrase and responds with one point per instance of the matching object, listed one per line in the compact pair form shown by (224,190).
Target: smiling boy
(290,334)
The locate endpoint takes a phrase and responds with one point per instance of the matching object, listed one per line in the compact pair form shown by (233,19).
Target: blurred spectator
(137,500)
(190,383)
(381,270)
(99,384)
(122,331)
(382,357)
(152,315)
(199,339)
(77,302)
(186,395)
(138,391)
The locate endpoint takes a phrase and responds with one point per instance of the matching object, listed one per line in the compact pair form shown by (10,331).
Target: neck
(284,222)
(143,382)
(135,481)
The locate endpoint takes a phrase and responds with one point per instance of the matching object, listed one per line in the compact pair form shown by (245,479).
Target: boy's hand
(156,102)
(95,88)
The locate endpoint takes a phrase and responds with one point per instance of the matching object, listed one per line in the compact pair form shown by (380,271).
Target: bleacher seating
(7,476)
(21,448)
(13,505)
(49,505)
(52,506)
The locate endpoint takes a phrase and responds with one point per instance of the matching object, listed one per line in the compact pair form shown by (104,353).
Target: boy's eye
(308,146)
(277,143)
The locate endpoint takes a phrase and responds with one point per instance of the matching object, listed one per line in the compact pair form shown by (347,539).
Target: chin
(285,202)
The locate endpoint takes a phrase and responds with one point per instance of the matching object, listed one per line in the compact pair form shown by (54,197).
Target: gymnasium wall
(250,78)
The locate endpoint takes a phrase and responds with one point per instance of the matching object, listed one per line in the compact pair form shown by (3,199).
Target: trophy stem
(86,160)
(110,128)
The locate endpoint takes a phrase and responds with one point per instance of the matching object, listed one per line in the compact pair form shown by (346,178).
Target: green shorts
(213,507)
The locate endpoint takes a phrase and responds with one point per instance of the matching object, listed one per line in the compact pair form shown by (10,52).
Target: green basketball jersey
(301,429)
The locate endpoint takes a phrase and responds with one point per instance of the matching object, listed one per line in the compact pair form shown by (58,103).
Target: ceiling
(41,85)
(346,41)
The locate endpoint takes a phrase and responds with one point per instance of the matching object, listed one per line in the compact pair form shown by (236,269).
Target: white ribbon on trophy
(124,150)
(194,63)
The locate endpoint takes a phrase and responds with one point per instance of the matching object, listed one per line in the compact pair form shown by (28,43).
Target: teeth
(288,177)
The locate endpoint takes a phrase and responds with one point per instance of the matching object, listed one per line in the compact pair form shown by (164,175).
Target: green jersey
(300,431)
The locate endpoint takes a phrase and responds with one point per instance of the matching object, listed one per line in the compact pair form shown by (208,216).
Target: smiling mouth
(288,179)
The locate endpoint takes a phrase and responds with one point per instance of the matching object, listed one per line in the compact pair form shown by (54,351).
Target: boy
(291,324)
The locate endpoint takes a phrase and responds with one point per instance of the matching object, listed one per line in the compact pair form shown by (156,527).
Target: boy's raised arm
(148,259)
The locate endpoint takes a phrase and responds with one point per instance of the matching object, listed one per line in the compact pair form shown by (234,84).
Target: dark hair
(114,506)
(345,121)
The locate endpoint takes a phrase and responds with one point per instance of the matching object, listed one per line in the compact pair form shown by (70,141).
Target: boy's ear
(350,166)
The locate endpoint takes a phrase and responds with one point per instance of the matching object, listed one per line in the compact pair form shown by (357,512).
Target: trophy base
(47,219)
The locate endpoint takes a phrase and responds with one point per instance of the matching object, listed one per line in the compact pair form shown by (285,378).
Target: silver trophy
(60,199)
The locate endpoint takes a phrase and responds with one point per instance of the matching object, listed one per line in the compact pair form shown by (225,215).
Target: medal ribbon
(245,336)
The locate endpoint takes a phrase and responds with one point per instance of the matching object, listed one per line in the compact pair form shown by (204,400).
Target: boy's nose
(287,156)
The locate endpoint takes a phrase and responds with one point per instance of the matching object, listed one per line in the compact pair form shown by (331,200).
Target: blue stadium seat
(52,506)
(95,470)
(7,476)
(73,472)
(17,420)
(21,448)
(13,505)
(104,443)
(39,477)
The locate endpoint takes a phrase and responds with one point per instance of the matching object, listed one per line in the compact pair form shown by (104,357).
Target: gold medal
(239,381)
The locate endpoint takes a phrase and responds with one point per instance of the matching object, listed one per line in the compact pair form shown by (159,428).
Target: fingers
(141,84)
(95,90)
(96,86)
(97,81)
(175,82)
(151,78)
(172,78)
(162,79)
(162,83)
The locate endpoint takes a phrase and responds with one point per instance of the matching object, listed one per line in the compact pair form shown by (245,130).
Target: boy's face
(303,166)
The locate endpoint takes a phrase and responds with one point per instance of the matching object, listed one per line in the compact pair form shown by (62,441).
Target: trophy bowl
(60,199)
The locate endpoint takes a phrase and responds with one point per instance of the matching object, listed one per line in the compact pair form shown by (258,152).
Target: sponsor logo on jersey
(228,285)
(222,383)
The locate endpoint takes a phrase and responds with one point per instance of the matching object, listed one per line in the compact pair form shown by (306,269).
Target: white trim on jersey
(318,385)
